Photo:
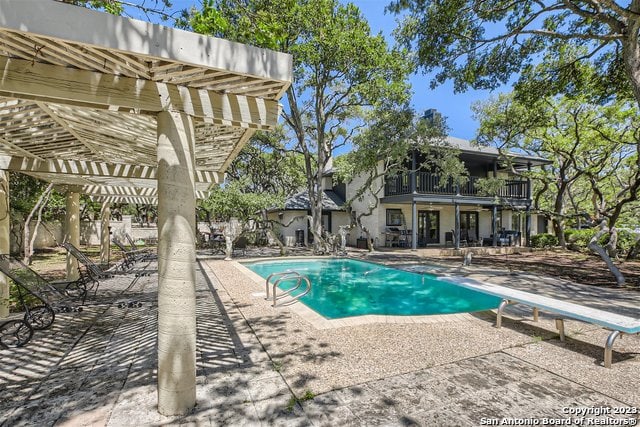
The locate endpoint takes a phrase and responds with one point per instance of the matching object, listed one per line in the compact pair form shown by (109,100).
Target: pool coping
(320,322)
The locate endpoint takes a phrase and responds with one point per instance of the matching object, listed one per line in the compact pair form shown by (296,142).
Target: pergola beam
(107,191)
(97,169)
(58,21)
(69,86)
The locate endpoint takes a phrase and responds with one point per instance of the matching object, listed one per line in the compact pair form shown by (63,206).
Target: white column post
(176,265)
(72,231)
(105,238)
(5,233)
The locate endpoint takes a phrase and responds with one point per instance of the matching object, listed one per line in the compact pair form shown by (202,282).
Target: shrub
(626,240)
(579,239)
(544,240)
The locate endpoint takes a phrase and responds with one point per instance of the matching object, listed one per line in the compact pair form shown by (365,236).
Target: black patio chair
(39,299)
(240,244)
(131,257)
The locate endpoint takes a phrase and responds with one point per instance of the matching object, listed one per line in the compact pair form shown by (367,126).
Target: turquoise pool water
(346,287)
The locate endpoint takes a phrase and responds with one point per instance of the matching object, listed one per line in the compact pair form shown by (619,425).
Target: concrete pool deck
(98,368)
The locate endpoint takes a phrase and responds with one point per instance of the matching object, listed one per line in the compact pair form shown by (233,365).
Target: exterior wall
(287,233)
(298,221)
(374,222)
(447,220)
(52,232)
(339,219)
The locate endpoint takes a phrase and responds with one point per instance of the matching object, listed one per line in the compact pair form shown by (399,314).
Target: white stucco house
(416,210)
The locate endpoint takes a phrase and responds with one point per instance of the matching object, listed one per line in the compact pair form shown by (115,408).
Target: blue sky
(455,107)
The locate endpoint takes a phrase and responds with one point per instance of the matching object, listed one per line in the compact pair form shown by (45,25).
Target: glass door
(428,227)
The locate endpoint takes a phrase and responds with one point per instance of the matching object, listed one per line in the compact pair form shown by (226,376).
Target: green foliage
(489,186)
(24,193)
(593,148)
(265,165)
(483,44)
(543,240)
(231,202)
(340,71)
(308,395)
(626,241)
(579,239)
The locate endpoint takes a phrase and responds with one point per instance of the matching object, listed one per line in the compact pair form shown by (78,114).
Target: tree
(238,209)
(265,166)
(339,70)
(594,152)
(483,44)
(150,8)
(385,148)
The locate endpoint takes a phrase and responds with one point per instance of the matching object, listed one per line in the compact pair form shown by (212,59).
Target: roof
(80,89)
(467,146)
(331,201)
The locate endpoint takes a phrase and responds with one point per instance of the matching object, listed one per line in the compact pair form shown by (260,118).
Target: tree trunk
(558,219)
(631,57)
(635,249)
(272,235)
(612,244)
(28,240)
(595,247)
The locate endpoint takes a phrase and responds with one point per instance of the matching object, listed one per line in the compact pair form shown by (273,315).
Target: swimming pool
(347,287)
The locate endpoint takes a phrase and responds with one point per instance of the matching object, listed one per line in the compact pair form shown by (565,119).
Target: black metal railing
(430,183)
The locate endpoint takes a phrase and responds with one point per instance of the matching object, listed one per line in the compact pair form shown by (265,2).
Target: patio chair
(472,239)
(464,236)
(134,248)
(94,270)
(240,244)
(41,298)
(131,257)
(448,238)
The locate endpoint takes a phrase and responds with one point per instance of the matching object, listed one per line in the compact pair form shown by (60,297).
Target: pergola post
(5,233)
(105,238)
(72,231)
(176,264)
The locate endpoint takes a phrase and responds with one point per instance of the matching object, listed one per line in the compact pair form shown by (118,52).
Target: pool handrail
(287,275)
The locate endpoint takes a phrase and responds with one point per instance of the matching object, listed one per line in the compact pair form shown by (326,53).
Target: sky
(456,108)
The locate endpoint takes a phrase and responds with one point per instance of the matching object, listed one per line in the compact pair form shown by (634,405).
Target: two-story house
(416,209)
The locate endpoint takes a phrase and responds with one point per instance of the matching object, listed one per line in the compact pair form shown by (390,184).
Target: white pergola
(125,110)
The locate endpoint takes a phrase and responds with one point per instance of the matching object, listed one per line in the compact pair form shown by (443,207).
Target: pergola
(125,110)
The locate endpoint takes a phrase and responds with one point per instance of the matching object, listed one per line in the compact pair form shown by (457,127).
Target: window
(394,217)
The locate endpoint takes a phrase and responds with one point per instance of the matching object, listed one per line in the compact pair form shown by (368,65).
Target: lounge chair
(472,239)
(94,269)
(131,256)
(41,298)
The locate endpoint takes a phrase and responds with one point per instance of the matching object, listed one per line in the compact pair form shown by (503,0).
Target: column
(414,208)
(176,265)
(72,231)
(105,238)
(414,225)
(457,226)
(527,236)
(5,233)
(494,225)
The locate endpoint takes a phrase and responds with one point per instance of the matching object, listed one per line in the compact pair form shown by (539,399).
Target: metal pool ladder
(287,275)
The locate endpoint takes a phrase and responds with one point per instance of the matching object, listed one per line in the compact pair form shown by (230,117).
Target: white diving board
(617,323)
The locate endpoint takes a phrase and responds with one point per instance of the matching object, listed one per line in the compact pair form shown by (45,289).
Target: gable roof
(331,201)
(467,146)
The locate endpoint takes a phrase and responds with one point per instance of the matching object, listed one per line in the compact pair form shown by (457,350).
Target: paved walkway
(98,367)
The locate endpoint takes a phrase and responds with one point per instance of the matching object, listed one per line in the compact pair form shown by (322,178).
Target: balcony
(429,183)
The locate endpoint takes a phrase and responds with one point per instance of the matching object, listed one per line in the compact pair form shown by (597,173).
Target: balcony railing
(429,183)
